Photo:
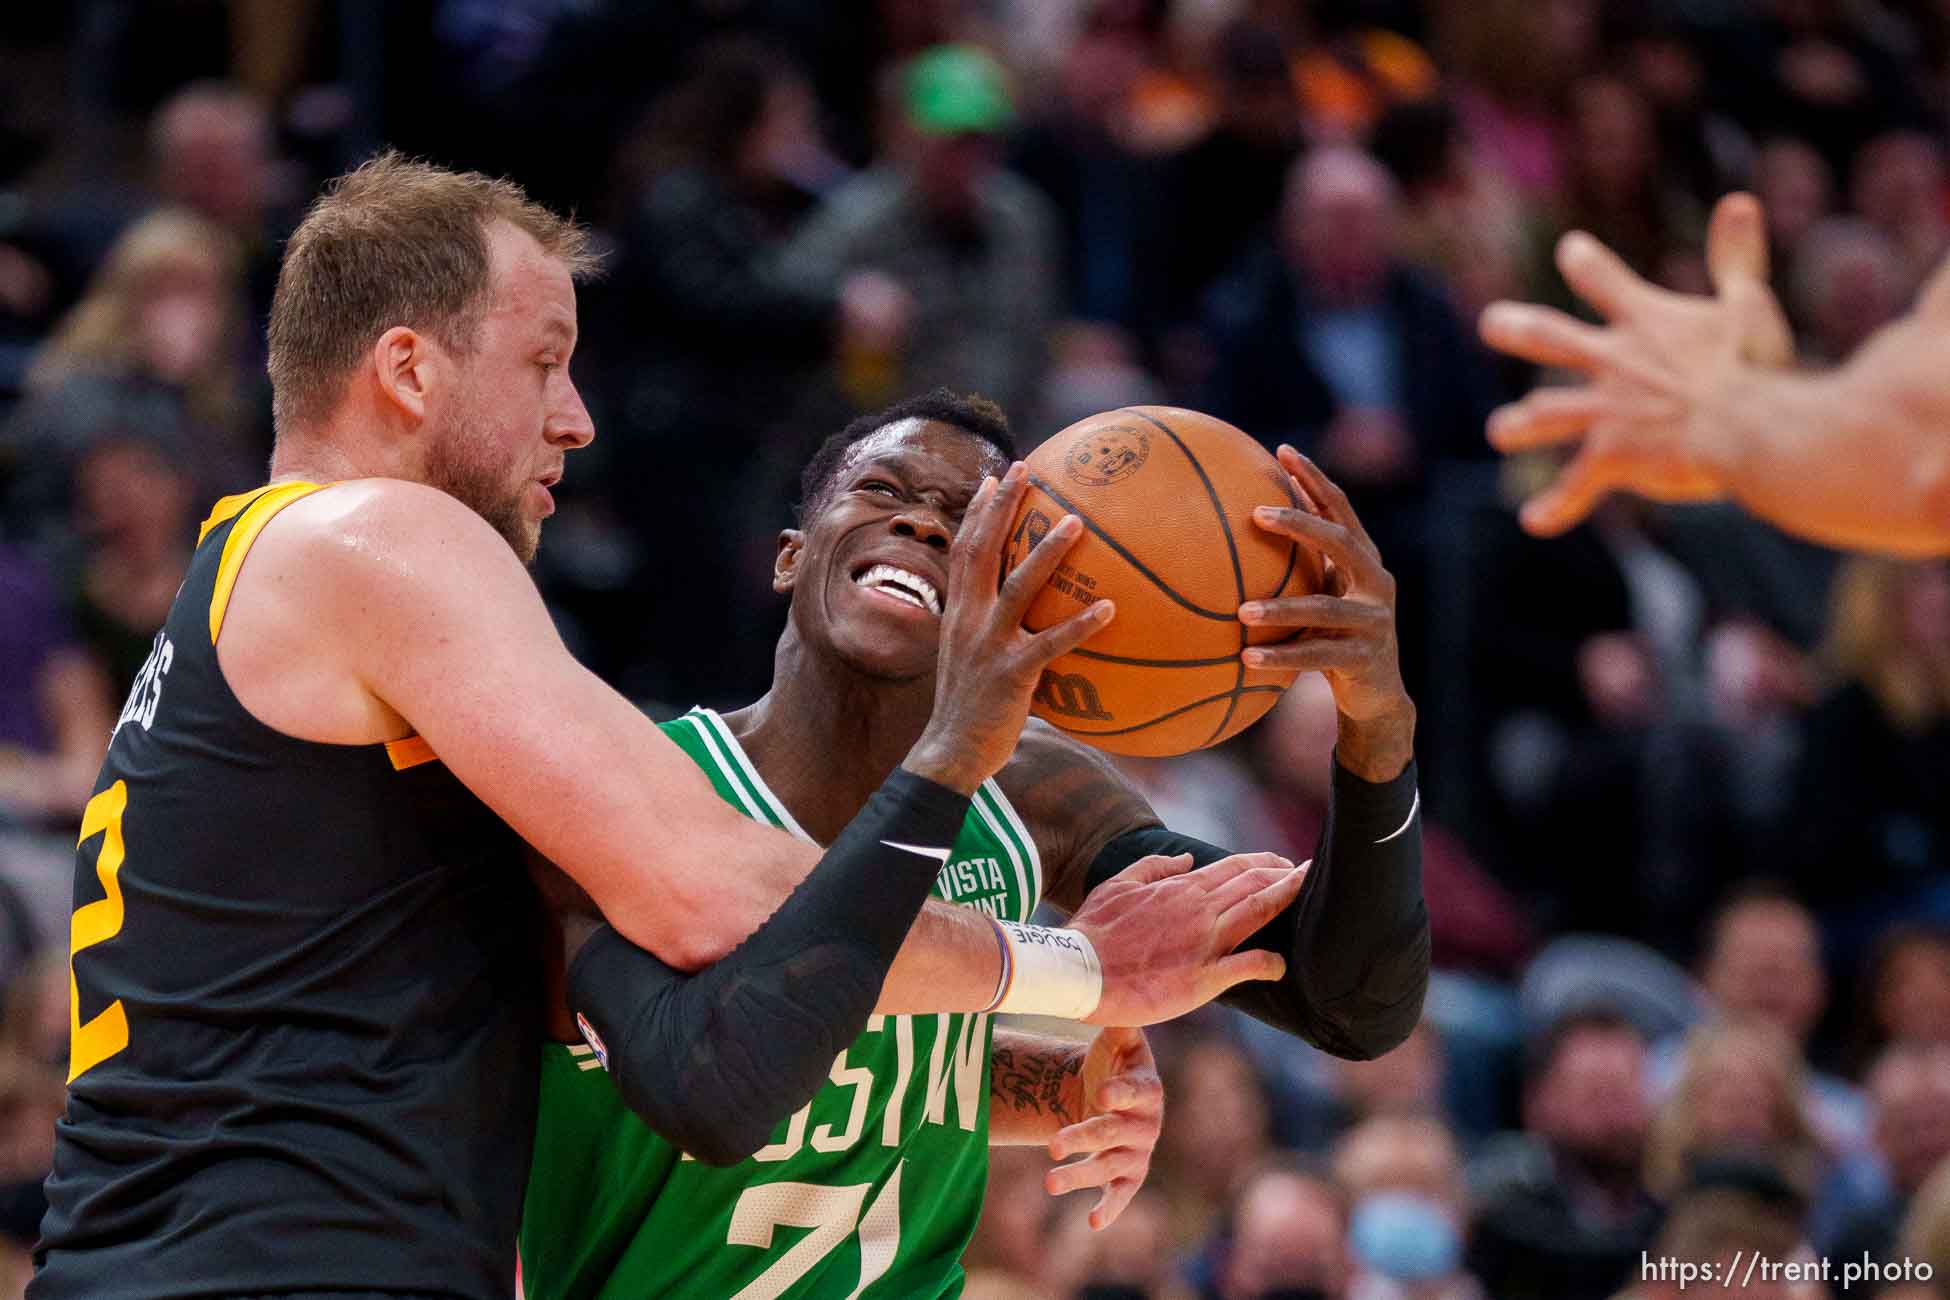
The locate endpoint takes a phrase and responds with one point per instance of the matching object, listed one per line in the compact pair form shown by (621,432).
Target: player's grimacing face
(514,413)
(871,577)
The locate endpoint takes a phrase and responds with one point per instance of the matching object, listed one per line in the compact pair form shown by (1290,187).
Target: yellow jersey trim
(253,510)
(410,751)
(227,508)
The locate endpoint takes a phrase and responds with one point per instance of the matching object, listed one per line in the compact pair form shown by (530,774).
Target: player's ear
(402,365)
(785,566)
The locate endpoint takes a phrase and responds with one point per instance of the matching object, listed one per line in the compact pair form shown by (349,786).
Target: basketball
(1166,497)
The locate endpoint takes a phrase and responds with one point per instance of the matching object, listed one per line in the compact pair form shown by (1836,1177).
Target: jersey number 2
(832,1213)
(108,1033)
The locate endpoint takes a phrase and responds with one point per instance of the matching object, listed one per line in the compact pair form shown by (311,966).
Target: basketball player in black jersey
(305,962)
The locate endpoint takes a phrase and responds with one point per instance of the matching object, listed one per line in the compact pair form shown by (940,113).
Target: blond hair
(99,333)
(1676,1137)
(395,242)
(1866,643)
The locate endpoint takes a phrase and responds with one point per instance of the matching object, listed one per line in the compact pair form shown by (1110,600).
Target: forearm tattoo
(1035,1079)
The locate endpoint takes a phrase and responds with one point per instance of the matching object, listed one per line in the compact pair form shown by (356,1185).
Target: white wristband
(1048,972)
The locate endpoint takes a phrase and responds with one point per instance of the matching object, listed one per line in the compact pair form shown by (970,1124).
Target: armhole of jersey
(252,515)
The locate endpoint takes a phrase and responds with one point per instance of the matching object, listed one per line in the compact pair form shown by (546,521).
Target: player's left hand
(1123,1104)
(1644,424)
(1347,633)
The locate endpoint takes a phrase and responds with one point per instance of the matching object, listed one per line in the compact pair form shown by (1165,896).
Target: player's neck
(315,460)
(825,736)
(347,446)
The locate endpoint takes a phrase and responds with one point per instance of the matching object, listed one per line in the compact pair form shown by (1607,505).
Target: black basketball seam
(1232,696)
(1131,662)
(1232,549)
(1038,482)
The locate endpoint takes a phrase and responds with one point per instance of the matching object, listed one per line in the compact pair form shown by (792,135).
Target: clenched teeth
(911,587)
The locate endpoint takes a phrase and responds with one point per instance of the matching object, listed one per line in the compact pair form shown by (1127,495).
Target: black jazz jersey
(305,1001)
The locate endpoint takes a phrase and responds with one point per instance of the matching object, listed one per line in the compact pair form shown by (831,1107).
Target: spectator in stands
(1903,997)
(1563,1212)
(1084,154)
(1762,964)
(971,242)
(1616,186)
(1816,70)
(1740,1092)
(32,1098)
(1132,1257)
(1898,185)
(1015,1238)
(1410,1219)
(1591,725)
(1849,281)
(33,1065)
(1325,339)
(1703,150)
(1905,989)
(153,346)
(1728,1213)
(1350,70)
(1926,1238)
(1218,1132)
(1245,157)
(1909,1098)
(1286,1237)
(1459,218)
(135,513)
(703,345)
(1797,188)
(1319,334)
(1869,830)
(212,151)
(56,705)
(1510,61)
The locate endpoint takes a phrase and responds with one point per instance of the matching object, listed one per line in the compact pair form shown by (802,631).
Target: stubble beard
(455,466)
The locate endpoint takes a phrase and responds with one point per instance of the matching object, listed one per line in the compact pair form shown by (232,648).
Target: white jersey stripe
(781,815)
(1024,838)
(752,809)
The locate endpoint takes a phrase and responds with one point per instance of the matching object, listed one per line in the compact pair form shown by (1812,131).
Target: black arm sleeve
(1356,941)
(713,1061)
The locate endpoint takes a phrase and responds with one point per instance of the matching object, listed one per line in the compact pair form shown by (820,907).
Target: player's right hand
(1165,933)
(990,663)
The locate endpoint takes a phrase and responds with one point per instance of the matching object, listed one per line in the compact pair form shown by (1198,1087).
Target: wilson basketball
(1166,497)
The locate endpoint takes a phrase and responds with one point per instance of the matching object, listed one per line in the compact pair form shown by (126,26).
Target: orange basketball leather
(1166,497)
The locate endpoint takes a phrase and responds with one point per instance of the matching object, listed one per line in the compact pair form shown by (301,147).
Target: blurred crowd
(1688,852)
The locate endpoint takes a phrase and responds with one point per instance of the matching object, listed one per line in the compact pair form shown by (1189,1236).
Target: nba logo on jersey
(594,1039)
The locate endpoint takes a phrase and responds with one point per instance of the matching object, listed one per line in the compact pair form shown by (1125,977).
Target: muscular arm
(1101,1100)
(1859,457)
(1035,1087)
(410,576)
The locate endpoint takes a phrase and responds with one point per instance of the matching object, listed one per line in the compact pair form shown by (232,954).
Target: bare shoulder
(1043,753)
(1073,800)
(363,527)
(363,572)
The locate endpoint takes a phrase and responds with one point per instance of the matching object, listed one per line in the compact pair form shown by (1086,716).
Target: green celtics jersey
(872,1189)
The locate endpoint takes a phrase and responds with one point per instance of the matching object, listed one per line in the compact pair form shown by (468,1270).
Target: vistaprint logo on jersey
(974,882)
(146,694)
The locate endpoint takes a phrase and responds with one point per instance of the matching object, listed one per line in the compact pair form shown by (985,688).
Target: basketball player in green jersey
(874,1186)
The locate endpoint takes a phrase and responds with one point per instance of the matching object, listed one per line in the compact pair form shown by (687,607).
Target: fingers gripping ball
(1166,497)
